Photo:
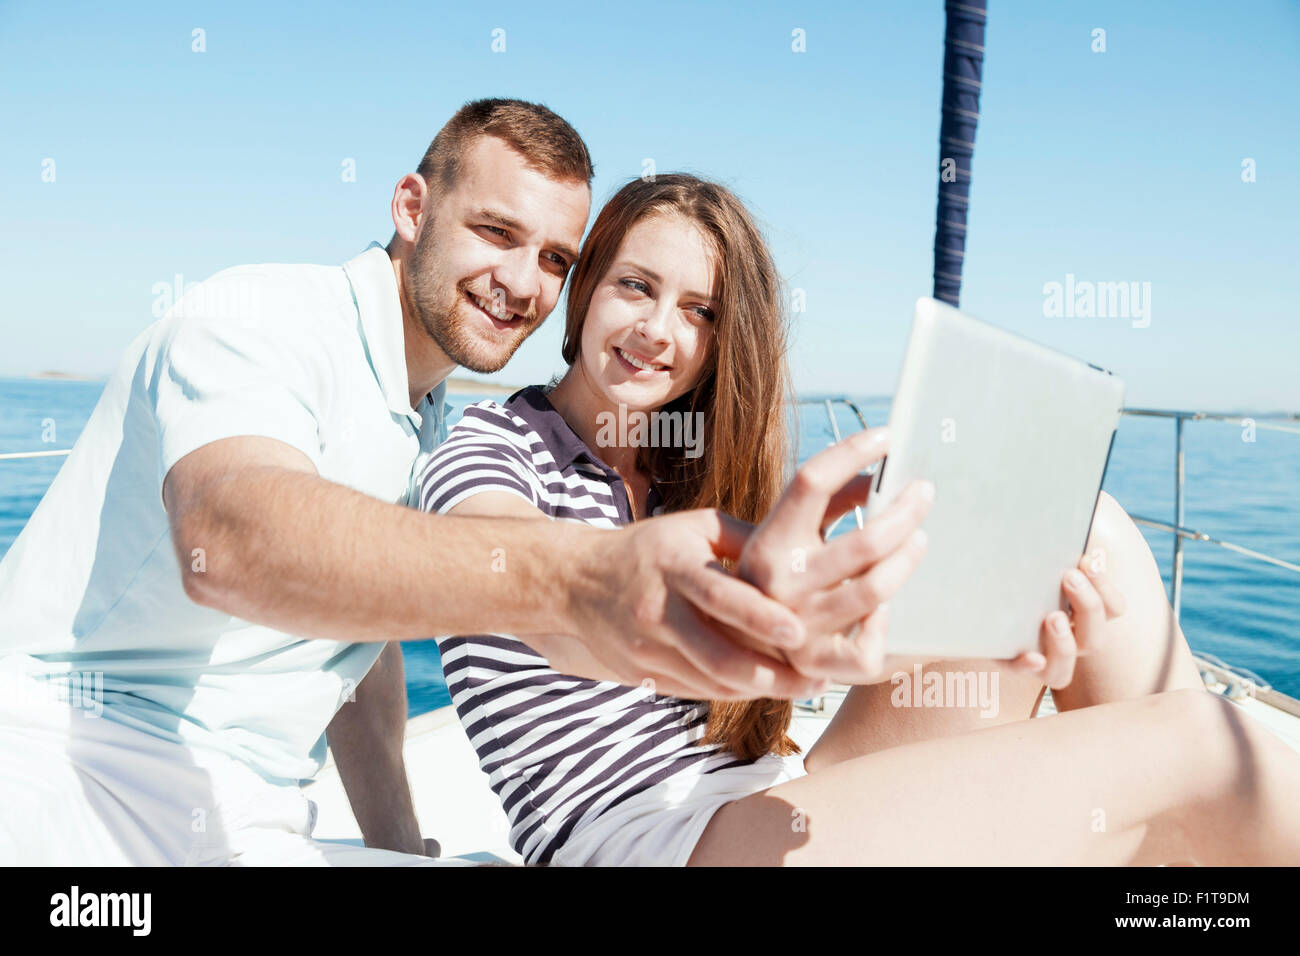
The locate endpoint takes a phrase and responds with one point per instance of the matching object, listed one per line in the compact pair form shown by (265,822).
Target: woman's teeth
(634,361)
(493,308)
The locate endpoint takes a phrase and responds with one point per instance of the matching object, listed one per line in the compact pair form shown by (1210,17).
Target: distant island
(67,376)
(469,386)
(455,385)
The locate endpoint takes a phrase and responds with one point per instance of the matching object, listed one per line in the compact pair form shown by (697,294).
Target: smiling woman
(648,324)
(676,275)
(675,322)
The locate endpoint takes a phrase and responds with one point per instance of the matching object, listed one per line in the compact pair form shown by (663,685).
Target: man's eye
(495,230)
(559,260)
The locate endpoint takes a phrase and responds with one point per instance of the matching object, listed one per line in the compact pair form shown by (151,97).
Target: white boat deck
(456,806)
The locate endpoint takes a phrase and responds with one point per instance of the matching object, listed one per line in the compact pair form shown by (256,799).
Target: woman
(675,398)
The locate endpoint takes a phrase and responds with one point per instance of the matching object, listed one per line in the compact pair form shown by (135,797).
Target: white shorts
(83,790)
(660,826)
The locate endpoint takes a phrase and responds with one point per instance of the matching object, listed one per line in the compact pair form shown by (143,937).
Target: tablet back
(1016,438)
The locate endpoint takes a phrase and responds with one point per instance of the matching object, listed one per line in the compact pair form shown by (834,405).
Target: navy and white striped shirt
(558,750)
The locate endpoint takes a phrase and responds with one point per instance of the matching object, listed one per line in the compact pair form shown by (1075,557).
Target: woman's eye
(704,312)
(636,285)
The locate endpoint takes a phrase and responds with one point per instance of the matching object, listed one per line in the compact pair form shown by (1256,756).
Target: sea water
(1246,492)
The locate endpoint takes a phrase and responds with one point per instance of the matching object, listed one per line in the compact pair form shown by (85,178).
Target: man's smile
(500,317)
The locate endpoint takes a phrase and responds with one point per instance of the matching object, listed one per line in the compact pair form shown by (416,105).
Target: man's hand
(839,588)
(653,605)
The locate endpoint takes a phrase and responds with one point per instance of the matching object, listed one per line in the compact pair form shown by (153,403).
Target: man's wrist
(578,555)
(400,839)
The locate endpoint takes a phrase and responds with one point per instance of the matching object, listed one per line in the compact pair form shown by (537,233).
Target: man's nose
(520,276)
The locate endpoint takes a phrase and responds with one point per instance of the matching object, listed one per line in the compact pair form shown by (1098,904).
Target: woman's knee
(1144,651)
(1127,561)
(1114,538)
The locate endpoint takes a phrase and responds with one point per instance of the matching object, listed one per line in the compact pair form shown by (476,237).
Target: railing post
(1176,600)
(830,415)
(835,430)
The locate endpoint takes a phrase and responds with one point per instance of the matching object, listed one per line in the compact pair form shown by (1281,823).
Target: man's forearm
(259,535)
(302,554)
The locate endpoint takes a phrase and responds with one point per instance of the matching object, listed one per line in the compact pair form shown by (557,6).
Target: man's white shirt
(312,356)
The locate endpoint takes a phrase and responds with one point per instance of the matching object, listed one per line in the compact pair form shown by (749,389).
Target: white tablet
(1016,438)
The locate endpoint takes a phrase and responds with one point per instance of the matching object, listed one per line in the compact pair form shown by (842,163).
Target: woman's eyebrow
(637,267)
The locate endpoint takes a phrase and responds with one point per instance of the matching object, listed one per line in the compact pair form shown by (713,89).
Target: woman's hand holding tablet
(1095,600)
(841,588)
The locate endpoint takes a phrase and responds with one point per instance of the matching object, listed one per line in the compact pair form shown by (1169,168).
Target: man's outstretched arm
(286,548)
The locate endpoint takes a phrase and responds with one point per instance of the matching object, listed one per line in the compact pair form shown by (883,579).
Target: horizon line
(460,380)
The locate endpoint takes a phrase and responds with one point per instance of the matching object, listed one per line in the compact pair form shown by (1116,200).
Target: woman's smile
(637,364)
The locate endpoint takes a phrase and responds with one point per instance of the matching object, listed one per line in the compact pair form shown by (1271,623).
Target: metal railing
(829,404)
(1178,529)
(14,455)
(1238,681)
(1236,678)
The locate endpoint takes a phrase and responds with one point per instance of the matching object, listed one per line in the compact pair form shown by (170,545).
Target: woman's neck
(584,409)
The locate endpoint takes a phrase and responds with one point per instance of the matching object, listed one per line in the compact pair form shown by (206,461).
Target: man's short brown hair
(546,142)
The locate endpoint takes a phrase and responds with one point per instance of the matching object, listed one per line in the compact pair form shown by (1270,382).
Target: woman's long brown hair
(743,394)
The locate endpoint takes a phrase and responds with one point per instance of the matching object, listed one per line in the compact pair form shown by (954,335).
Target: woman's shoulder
(493,418)
(491,448)
(488,431)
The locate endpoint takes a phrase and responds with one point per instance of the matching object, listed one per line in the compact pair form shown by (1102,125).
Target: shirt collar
(566,447)
(374,289)
(532,405)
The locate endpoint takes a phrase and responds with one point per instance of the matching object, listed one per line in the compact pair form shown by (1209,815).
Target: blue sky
(1115,166)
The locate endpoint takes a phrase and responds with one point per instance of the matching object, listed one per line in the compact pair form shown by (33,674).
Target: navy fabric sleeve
(486,451)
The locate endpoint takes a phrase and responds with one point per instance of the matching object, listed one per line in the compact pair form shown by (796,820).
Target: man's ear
(409,205)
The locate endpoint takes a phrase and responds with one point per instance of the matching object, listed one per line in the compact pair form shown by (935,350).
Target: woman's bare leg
(1179,776)
(1144,653)
(870,720)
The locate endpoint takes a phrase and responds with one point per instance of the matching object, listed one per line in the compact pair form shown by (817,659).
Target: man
(224,554)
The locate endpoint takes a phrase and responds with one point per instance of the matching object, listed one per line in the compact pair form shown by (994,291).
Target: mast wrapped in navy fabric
(963,65)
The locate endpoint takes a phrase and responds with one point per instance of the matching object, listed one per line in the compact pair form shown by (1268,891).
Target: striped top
(558,750)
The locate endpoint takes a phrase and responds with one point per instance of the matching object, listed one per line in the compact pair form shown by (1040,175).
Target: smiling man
(228,547)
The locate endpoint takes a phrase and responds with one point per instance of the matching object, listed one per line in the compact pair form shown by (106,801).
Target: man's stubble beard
(438,319)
